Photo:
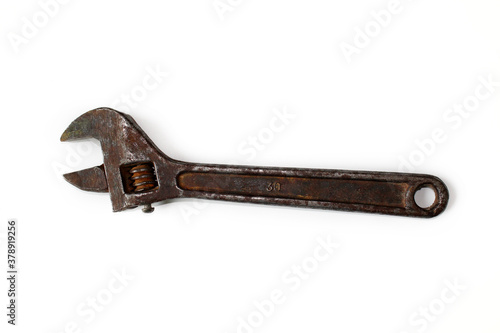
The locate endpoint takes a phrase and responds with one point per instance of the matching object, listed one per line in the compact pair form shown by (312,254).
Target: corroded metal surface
(136,172)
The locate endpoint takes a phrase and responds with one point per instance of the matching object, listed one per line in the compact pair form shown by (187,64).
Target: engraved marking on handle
(274,187)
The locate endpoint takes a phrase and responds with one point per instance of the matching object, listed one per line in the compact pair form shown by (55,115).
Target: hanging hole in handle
(425,196)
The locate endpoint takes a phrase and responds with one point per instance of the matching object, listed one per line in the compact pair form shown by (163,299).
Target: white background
(199,267)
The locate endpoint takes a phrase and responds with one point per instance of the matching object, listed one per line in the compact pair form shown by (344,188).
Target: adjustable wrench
(136,173)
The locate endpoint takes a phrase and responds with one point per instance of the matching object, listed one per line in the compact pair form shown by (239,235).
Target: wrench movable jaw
(91,179)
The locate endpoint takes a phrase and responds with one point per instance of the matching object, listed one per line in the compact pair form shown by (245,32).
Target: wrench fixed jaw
(135,172)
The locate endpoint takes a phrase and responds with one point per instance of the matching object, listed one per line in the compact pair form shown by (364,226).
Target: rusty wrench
(135,172)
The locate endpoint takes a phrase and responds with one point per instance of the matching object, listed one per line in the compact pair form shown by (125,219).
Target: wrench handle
(374,192)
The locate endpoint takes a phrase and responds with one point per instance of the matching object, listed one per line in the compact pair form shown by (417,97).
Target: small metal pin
(148,208)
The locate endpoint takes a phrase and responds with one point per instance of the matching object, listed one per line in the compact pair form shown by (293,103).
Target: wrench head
(135,172)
